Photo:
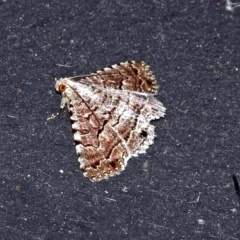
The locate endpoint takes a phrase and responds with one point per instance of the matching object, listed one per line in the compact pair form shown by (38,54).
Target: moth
(110,112)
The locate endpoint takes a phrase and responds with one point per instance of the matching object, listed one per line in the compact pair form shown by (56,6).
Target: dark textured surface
(182,188)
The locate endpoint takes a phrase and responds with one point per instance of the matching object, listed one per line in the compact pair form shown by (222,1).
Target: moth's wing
(110,127)
(100,150)
(131,76)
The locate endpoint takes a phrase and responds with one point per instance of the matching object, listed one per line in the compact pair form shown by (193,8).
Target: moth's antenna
(84,75)
(94,74)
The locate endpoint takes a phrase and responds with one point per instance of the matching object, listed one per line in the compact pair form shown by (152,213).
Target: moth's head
(61,85)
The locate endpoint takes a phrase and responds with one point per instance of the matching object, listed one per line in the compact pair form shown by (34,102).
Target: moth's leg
(64,102)
(54,115)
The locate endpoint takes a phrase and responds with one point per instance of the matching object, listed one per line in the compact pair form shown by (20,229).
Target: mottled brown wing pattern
(109,125)
(131,75)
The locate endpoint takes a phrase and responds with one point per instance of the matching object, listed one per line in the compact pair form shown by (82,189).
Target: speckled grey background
(182,188)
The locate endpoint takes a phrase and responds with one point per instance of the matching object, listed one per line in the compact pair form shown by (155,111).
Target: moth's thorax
(70,85)
(62,81)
